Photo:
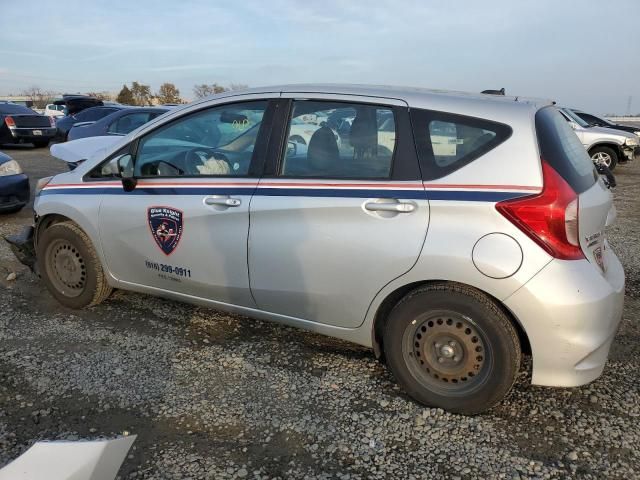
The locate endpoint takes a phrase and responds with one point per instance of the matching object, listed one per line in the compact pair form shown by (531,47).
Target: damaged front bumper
(23,247)
(630,153)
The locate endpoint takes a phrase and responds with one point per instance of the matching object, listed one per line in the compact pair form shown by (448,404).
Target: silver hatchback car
(449,232)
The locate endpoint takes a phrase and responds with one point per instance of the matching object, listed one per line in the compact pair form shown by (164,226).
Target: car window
(128,123)
(339,140)
(572,117)
(93,114)
(447,142)
(216,141)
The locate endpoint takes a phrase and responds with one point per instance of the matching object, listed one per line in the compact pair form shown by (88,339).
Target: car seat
(323,155)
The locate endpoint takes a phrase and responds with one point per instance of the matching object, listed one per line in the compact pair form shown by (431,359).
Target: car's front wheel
(604,156)
(70,266)
(452,347)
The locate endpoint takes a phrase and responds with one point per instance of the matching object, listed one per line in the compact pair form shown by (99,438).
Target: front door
(184,227)
(343,213)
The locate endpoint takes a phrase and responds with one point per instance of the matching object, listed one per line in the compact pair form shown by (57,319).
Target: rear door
(560,147)
(337,216)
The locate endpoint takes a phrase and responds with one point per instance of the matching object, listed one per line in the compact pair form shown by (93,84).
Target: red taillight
(52,121)
(549,218)
(10,122)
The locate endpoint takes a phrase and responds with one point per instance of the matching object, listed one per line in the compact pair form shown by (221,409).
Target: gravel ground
(212,395)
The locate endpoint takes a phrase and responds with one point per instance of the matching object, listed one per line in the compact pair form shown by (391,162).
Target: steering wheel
(198,156)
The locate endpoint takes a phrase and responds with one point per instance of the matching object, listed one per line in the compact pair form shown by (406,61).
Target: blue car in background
(120,122)
(14,185)
(65,124)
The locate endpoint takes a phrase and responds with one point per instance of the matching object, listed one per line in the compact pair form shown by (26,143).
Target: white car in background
(52,110)
(606,146)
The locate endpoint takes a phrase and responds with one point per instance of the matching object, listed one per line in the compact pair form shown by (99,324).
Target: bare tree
(238,86)
(168,93)
(205,90)
(39,97)
(101,95)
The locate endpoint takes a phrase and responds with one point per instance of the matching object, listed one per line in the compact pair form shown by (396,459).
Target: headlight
(40,184)
(10,168)
(632,142)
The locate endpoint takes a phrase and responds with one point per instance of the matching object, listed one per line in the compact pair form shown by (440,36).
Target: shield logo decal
(166,227)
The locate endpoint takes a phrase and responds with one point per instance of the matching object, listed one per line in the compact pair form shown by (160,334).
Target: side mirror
(292,148)
(573,125)
(125,169)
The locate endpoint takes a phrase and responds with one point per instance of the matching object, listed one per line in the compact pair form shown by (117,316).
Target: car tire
(40,143)
(450,346)
(604,155)
(70,266)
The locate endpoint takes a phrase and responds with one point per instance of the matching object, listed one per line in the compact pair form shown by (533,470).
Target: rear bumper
(14,191)
(571,313)
(27,134)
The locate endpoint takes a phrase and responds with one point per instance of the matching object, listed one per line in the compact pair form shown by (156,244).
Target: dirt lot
(219,396)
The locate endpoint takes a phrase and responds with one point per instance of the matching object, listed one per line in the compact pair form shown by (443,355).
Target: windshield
(575,118)
(592,119)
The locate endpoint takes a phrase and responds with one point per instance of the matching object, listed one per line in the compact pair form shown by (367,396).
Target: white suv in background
(606,146)
(52,110)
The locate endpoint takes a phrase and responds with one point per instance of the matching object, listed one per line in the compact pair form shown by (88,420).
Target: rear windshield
(17,109)
(560,147)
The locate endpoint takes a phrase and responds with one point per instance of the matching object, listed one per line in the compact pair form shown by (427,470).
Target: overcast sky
(582,53)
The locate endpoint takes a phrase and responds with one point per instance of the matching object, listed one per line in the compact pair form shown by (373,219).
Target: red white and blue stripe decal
(302,188)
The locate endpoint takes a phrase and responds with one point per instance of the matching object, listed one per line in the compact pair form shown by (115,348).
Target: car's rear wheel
(40,143)
(450,346)
(70,266)
(604,156)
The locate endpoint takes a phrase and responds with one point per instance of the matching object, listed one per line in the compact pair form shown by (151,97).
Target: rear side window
(447,142)
(560,147)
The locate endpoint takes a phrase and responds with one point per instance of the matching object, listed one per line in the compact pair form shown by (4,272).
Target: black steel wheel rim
(66,268)
(447,352)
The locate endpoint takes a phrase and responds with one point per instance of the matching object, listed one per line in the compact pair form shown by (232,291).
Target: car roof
(388,91)
(8,107)
(446,100)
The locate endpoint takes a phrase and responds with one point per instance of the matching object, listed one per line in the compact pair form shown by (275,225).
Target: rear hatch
(77,103)
(562,150)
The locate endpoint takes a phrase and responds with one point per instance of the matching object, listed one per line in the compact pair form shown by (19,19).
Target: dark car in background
(120,122)
(76,103)
(14,185)
(91,114)
(595,121)
(19,124)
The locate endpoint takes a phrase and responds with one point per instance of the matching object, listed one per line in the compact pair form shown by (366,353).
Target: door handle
(222,201)
(390,207)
